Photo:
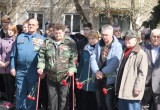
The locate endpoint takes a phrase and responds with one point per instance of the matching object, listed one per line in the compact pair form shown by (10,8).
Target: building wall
(55,10)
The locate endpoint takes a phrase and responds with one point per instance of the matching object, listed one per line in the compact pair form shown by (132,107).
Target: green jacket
(57,60)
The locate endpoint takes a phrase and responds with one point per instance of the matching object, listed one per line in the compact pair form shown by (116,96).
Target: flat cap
(131,33)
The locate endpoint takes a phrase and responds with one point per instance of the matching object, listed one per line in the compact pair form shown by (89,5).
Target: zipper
(88,73)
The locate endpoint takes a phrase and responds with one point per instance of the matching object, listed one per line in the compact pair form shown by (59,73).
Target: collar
(136,48)
(155,48)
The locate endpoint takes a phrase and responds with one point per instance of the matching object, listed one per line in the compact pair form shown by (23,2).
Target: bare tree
(80,11)
(137,10)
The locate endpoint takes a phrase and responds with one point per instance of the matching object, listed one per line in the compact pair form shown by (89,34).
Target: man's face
(5,24)
(117,32)
(86,31)
(58,34)
(155,39)
(130,41)
(51,32)
(25,28)
(67,32)
(143,33)
(107,36)
(32,26)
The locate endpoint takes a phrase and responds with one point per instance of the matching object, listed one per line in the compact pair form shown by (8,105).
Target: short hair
(5,18)
(115,25)
(59,26)
(88,24)
(51,25)
(25,22)
(94,34)
(13,28)
(107,26)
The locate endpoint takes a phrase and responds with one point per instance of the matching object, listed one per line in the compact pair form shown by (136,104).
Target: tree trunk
(80,11)
(133,14)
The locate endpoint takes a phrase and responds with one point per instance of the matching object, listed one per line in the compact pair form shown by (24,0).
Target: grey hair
(107,27)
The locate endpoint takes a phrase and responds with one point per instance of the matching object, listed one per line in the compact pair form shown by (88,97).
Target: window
(73,21)
(122,20)
(39,16)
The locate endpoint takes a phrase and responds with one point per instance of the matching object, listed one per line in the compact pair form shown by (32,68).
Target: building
(98,12)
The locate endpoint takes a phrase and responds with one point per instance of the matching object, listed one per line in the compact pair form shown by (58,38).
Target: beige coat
(134,75)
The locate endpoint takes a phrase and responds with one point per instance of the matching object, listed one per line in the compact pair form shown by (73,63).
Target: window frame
(35,17)
(71,25)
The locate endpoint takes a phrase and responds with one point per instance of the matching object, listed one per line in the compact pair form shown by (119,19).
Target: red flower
(104,90)
(80,84)
(31,97)
(64,82)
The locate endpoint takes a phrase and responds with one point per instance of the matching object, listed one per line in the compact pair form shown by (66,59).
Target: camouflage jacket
(57,60)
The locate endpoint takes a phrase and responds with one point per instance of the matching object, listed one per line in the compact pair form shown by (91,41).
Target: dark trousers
(150,101)
(78,94)
(89,101)
(9,82)
(43,96)
(104,102)
(58,95)
(2,87)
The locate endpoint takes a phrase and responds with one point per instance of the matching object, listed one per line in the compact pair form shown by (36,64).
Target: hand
(13,72)
(41,74)
(136,92)
(70,74)
(99,75)
(40,71)
(2,64)
(6,64)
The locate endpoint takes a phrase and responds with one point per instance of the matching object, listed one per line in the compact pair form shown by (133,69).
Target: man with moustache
(24,65)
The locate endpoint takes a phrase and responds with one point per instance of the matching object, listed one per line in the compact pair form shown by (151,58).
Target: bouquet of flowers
(80,84)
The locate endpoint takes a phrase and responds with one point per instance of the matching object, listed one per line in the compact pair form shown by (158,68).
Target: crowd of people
(98,70)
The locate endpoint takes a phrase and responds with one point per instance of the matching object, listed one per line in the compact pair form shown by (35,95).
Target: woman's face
(92,40)
(10,32)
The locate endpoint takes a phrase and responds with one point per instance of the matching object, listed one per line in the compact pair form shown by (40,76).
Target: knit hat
(131,33)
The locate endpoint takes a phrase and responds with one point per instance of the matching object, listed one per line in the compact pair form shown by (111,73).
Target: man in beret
(132,74)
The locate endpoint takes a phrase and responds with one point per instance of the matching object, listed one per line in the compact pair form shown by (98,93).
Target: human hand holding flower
(80,84)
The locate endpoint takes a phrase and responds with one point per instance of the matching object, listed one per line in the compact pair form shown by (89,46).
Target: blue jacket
(112,60)
(25,52)
(84,71)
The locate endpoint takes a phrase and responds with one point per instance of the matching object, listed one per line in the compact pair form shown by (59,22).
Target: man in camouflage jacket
(57,59)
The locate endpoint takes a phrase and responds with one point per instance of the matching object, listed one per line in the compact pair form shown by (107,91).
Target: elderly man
(117,33)
(151,97)
(24,65)
(131,74)
(104,64)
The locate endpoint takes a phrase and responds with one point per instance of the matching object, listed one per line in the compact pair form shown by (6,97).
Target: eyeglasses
(154,37)
(6,22)
(67,32)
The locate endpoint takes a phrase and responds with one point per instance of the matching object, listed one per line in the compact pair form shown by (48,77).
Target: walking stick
(39,81)
(73,92)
